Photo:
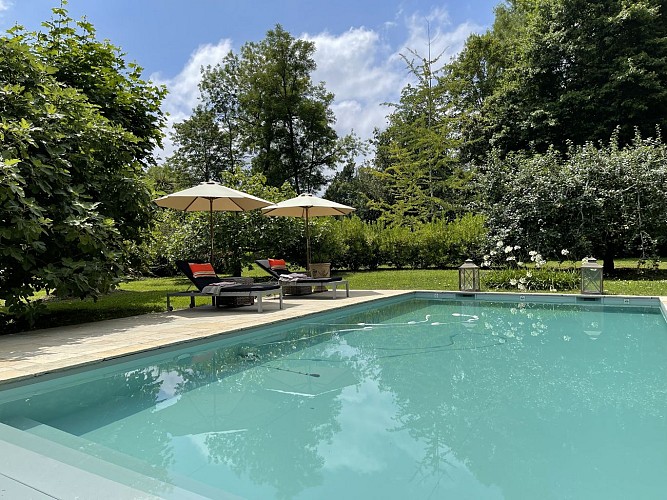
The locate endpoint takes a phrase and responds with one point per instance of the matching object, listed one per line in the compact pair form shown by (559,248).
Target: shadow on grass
(639,274)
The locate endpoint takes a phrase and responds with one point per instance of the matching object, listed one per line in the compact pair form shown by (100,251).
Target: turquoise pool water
(414,399)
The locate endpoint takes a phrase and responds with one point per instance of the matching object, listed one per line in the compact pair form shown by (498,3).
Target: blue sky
(358,42)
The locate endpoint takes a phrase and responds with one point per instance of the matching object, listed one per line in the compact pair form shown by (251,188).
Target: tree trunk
(608,257)
(236,269)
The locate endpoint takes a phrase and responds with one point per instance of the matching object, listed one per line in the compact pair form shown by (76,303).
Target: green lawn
(149,295)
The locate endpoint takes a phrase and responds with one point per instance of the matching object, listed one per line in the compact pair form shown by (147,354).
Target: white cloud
(183,88)
(359,69)
(358,66)
(446,40)
(352,64)
(360,117)
(363,72)
(5,5)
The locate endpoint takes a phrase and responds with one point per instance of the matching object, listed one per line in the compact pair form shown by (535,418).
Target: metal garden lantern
(469,277)
(591,277)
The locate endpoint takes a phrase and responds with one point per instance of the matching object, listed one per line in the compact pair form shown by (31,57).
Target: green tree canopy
(415,158)
(553,71)
(199,143)
(353,184)
(98,70)
(73,144)
(270,114)
(604,201)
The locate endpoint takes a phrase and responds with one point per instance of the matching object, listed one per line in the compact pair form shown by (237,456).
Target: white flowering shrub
(510,269)
(602,200)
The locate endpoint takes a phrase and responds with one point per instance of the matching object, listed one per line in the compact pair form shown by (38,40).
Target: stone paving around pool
(29,354)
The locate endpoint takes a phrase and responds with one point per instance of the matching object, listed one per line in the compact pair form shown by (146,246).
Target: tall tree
(415,155)
(274,113)
(474,76)
(354,185)
(566,70)
(71,191)
(199,144)
(220,90)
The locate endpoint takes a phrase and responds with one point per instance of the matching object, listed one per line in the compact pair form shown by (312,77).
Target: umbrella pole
(307,244)
(210,221)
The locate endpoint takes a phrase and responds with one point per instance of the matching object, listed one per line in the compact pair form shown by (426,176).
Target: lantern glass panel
(591,277)
(469,277)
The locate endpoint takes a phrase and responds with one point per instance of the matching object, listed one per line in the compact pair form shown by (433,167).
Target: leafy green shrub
(351,243)
(467,236)
(398,246)
(595,199)
(360,244)
(545,278)
(326,242)
(432,245)
(509,270)
(442,244)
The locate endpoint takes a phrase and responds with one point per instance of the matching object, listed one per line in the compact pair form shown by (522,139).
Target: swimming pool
(411,398)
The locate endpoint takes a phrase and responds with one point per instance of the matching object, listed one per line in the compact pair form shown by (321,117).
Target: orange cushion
(277,264)
(201,270)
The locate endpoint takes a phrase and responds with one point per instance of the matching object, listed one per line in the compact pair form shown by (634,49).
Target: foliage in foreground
(77,128)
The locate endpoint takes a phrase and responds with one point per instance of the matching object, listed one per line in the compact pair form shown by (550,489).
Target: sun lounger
(278,269)
(209,284)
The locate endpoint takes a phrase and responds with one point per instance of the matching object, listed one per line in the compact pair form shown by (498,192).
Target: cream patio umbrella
(307,205)
(211,197)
